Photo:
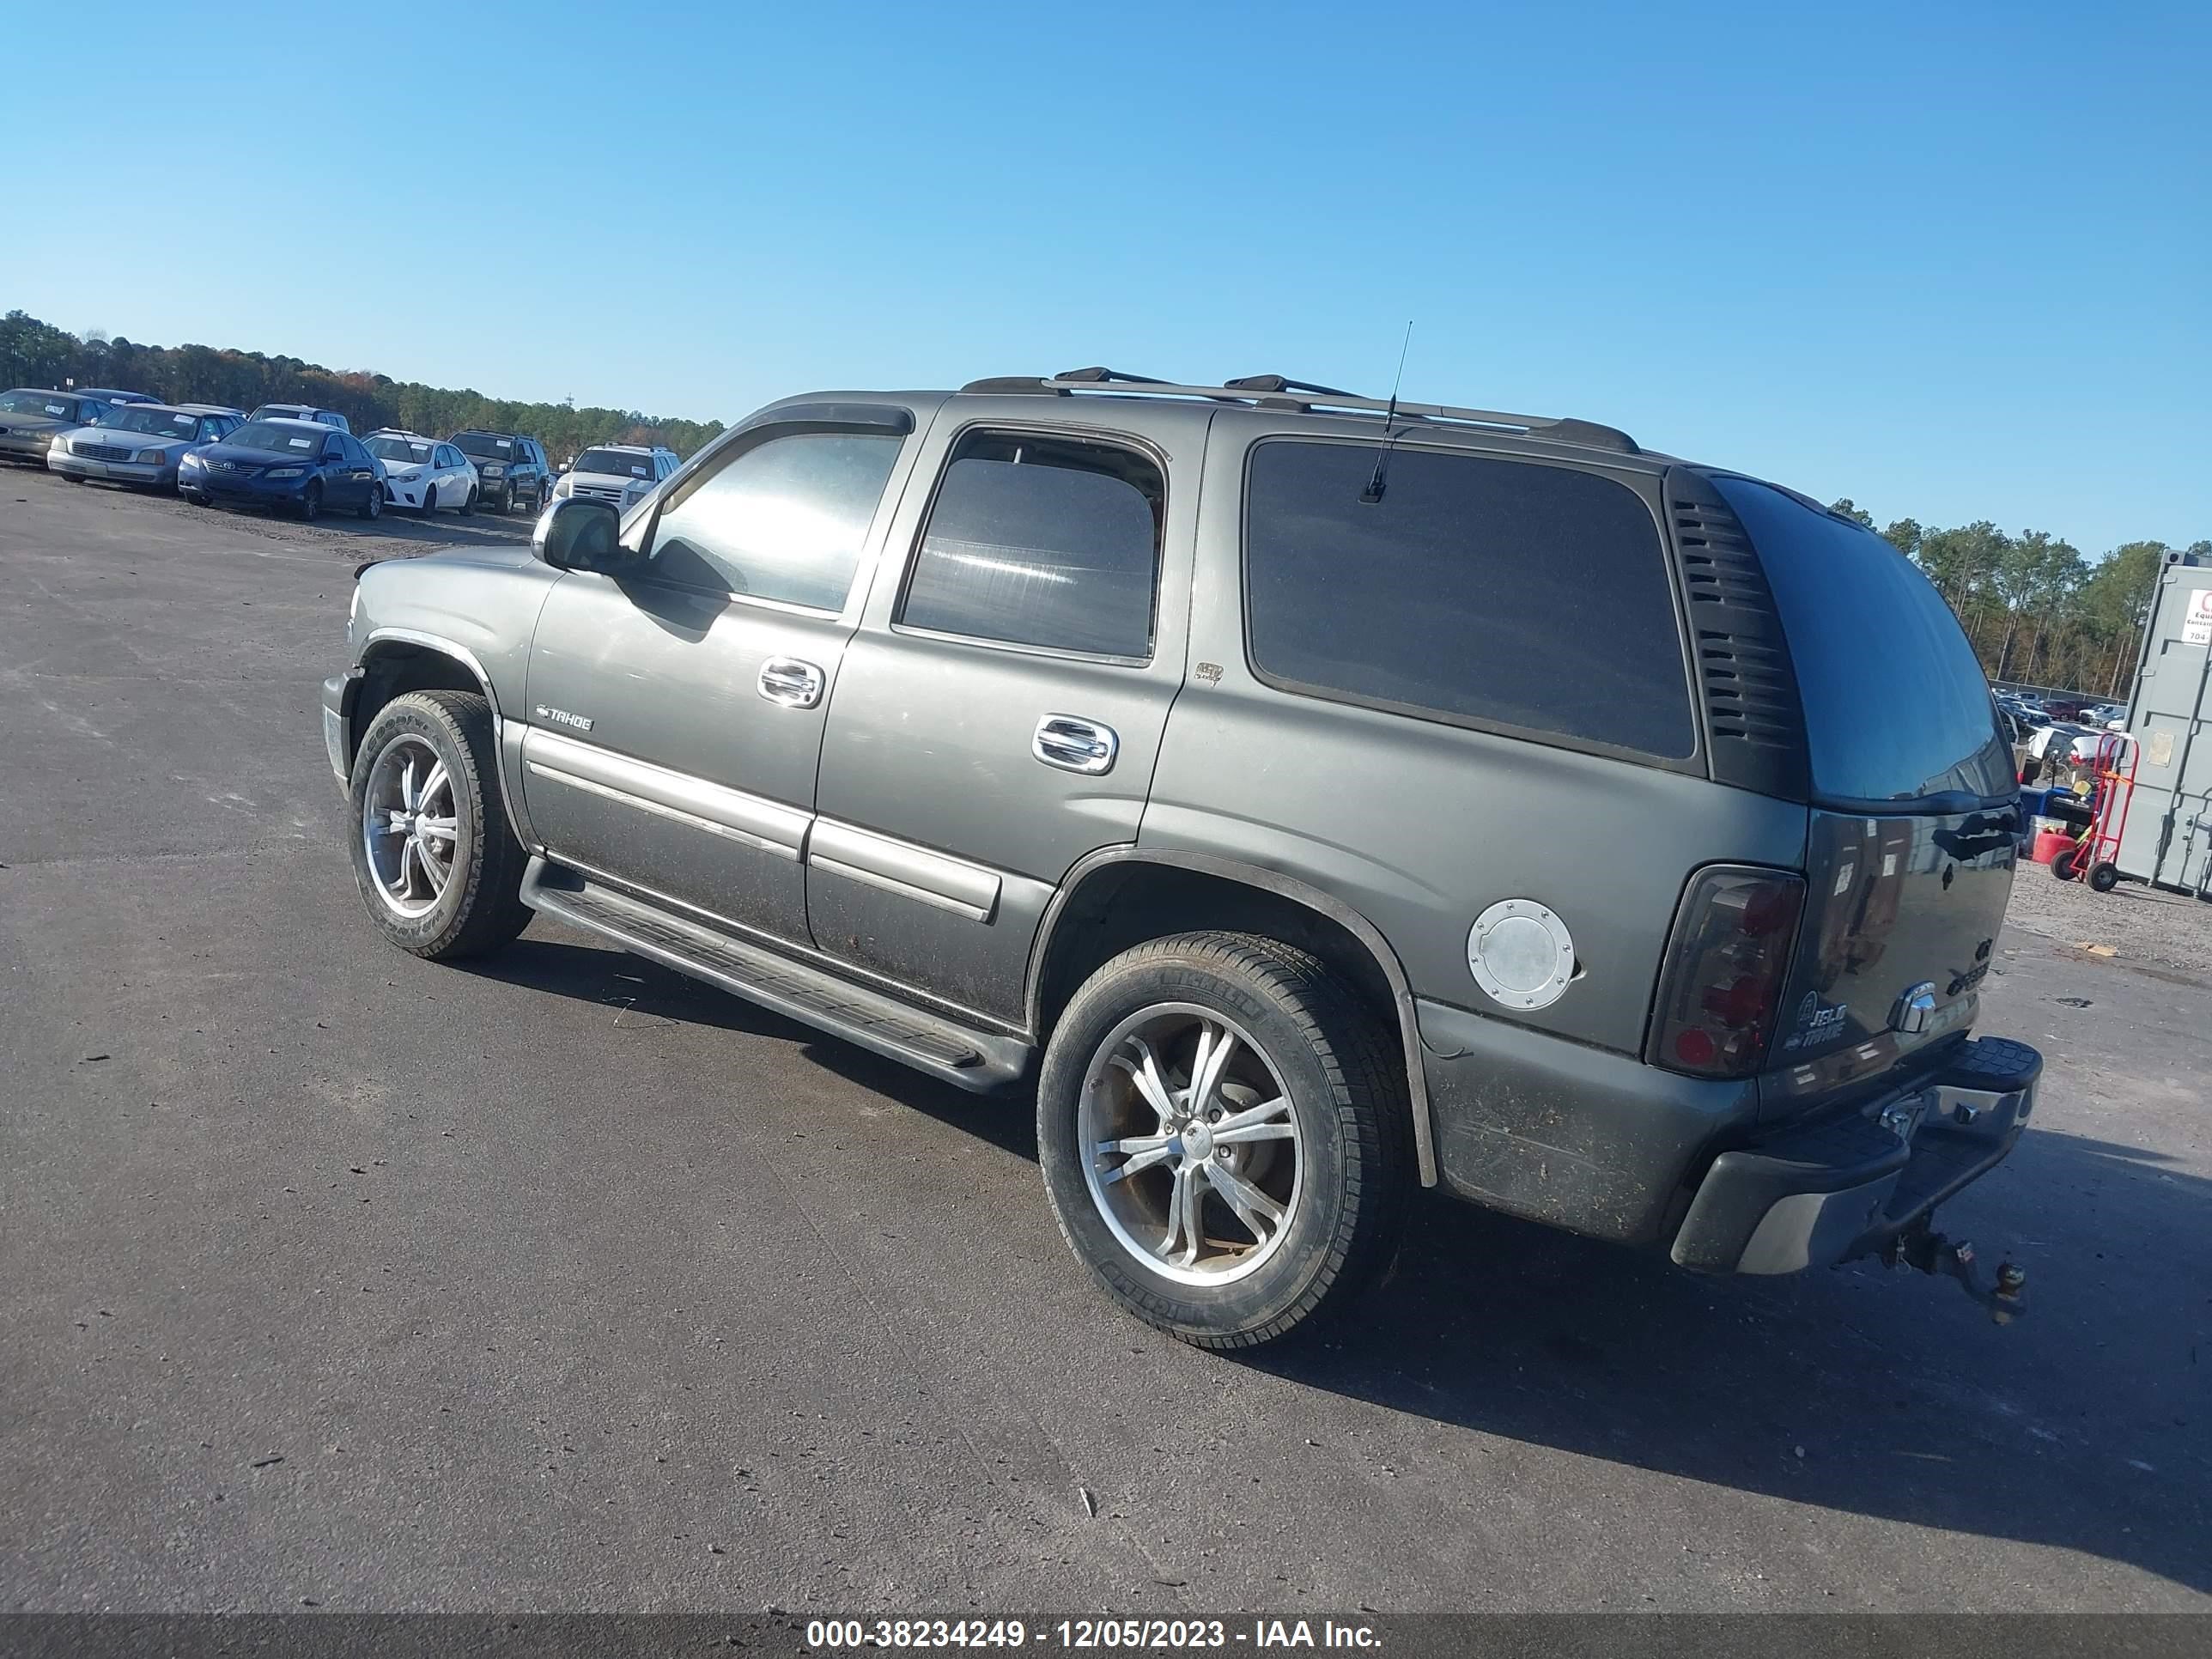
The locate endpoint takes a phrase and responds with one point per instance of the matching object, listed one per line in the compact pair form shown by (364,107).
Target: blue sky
(1953,261)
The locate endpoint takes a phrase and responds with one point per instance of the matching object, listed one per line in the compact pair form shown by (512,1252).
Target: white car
(617,474)
(424,473)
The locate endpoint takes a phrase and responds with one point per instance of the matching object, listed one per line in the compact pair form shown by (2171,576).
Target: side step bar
(978,1060)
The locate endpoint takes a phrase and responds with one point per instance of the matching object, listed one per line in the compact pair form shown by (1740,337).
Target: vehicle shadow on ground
(1887,1396)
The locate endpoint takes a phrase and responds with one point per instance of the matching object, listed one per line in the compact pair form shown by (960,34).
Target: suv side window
(783,520)
(1041,541)
(1478,590)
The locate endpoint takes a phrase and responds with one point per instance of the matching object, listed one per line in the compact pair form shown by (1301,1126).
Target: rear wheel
(1223,1134)
(2104,876)
(439,867)
(2063,866)
(311,501)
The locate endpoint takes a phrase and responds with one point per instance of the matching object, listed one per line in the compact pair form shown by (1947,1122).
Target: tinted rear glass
(618,462)
(1896,705)
(492,449)
(1491,592)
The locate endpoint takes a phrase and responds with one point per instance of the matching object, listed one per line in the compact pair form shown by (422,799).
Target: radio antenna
(1379,480)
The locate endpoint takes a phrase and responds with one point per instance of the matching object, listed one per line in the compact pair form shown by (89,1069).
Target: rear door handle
(791,681)
(1076,744)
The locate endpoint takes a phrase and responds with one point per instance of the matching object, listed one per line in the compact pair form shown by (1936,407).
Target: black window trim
(726,451)
(1645,489)
(1099,437)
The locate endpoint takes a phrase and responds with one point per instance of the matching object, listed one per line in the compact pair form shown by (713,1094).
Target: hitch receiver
(1932,1253)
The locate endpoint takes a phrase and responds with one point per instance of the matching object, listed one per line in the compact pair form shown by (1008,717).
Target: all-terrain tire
(481,908)
(1340,1068)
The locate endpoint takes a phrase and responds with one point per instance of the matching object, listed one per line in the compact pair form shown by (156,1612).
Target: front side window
(1478,590)
(1041,541)
(784,520)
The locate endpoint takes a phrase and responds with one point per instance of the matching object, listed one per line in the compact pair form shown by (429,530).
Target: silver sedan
(139,443)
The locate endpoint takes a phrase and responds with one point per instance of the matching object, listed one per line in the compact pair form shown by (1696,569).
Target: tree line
(2038,612)
(37,354)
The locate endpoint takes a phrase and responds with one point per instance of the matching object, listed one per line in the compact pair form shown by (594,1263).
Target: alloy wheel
(410,826)
(1190,1145)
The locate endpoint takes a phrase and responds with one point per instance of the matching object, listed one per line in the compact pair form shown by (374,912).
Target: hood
(108,435)
(11,422)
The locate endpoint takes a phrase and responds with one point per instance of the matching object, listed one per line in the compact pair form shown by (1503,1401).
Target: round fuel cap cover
(1521,954)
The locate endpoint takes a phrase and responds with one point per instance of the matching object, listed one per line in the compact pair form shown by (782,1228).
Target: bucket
(2049,844)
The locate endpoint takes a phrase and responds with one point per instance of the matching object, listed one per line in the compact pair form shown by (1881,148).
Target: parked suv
(1313,797)
(512,467)
(618,474)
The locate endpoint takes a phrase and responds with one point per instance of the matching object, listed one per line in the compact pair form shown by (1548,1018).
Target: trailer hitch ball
(1931,1253)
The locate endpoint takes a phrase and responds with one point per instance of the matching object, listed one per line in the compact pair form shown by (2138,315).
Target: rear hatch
(1914,822)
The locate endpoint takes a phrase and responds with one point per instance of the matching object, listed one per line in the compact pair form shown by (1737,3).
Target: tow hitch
(1932,1253)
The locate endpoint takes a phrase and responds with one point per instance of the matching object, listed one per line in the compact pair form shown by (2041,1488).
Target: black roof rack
(1280,391)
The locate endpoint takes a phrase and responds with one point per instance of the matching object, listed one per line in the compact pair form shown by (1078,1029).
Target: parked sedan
(423,473)
(31,419)
(138,444)
(298,465)
(301,412)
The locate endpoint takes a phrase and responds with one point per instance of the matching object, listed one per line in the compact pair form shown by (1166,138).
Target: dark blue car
(299,464)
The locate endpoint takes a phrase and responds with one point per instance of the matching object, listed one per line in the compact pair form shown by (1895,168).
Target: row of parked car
(305,459)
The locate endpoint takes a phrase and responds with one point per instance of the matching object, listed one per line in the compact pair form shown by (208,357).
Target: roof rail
(1278,392)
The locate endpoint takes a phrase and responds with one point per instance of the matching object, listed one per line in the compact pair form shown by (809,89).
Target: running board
(972,1059)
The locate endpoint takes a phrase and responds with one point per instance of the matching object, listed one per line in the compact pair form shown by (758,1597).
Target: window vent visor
(1721,989)
(1754,724)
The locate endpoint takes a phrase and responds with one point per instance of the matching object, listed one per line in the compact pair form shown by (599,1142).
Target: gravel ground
(2141,924)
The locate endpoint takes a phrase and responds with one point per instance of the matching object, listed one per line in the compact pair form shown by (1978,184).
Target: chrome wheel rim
(410,827)
(1190,1147)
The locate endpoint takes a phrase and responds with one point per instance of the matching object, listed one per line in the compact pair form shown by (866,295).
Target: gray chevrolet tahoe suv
(1314,796)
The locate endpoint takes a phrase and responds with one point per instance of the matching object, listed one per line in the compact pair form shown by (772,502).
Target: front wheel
(372,504)
(507,502)
(429,499)
(1223,1131)
(469,503)
(439,867)
(2063,866)
(311,503)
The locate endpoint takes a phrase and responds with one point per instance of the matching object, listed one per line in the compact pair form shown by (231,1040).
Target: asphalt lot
(331,1276)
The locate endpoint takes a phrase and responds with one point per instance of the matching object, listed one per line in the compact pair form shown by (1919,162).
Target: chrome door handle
(789,681)
(1075,744)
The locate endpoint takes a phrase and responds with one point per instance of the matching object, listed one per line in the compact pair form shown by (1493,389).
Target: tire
(1339,1189)
(74,477)
(477,908)
(469,503)
(507,502)
(2104,876)
(372,506)
(2063,866)
(198,497)
(311,503)
(429,500)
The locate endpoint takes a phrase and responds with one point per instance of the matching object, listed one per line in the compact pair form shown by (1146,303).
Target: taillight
(1722,985)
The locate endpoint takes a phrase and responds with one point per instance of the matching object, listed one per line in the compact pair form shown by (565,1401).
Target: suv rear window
(1896,705)
(1480,592)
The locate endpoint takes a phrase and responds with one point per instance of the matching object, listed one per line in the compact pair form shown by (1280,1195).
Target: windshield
(39,402)
(1896,705)
(484,444)
(160,423)
(271,434)
(406,450)
(615,461)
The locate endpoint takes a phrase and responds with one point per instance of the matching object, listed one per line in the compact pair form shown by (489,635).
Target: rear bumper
(1846,1188)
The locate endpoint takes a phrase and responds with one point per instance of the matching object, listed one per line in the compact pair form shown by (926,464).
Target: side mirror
(577,534)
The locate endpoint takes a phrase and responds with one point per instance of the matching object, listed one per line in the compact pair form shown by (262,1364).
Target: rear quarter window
(1495,593)
(1896,708)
